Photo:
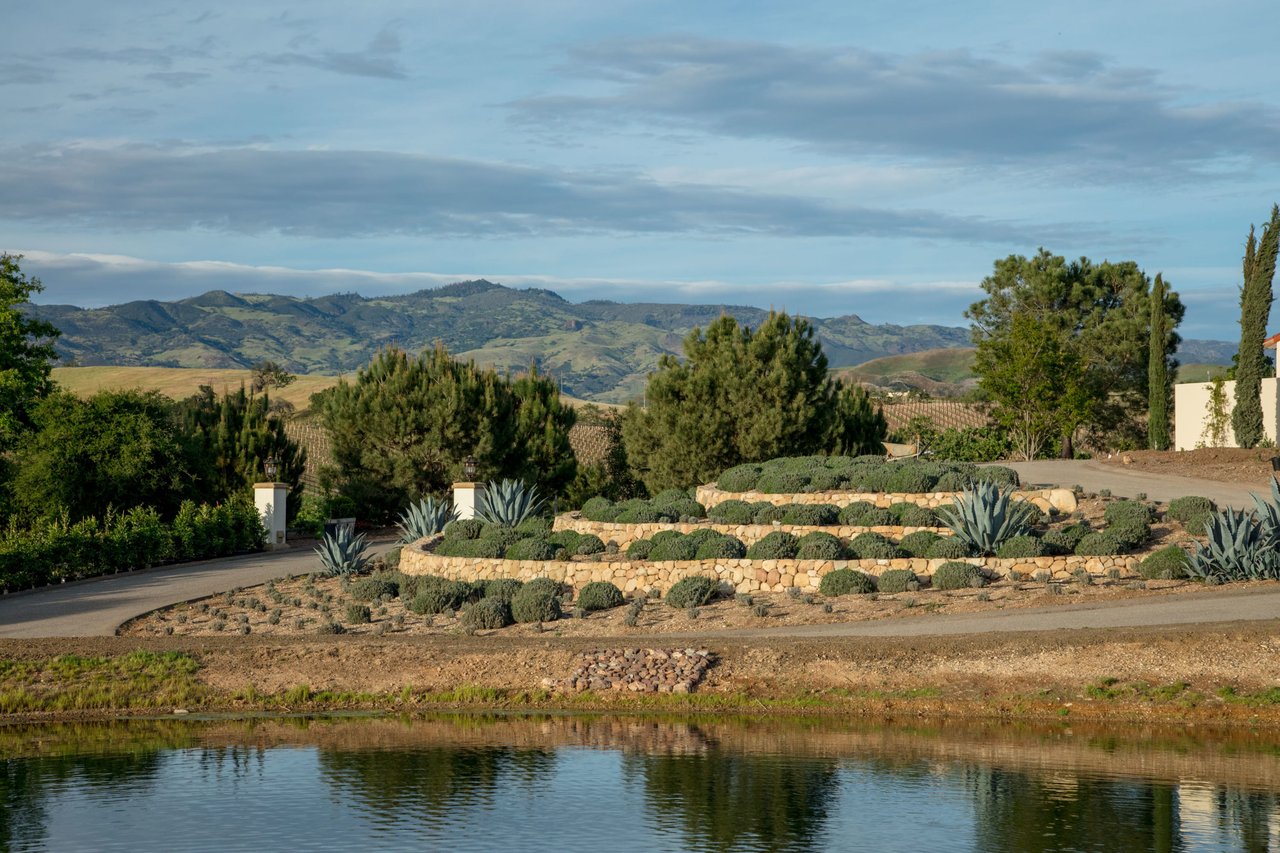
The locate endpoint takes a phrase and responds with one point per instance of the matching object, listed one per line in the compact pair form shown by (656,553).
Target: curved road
(1093,476)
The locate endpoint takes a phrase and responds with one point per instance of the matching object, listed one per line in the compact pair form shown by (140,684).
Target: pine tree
(1259,268)
(1158,372)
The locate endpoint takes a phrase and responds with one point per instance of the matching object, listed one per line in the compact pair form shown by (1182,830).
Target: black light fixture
(272,467)
(469,469)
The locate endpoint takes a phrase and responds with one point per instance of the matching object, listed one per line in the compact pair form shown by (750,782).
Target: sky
(826,158)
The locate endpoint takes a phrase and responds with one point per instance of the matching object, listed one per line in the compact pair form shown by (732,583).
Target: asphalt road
(1093,476)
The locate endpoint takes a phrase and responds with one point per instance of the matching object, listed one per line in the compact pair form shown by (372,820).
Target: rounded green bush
(910,479)
(638,515)
(599,509)
(722,548)
(778,545)
(1119,512)
(1166,564)
(673,548)
(599,595)
(505,536)
(948,548)
(782,483)
(878,517)
(846,582)
(851,514)
(918,516)
(1186,508)
(873,546)
(537,526)
(918,544)
(743,478)
(477,548)
(436,595)
(1131,533)
(566,539)
(825,480)
(532,549)
(1099,544)
(640,549)
(545,585)
(682,508)
(587,545)
(665,536)
(1030,514)
(407,584)
(703,535)
(896,580)
(732,512)
(953,481)
(502,588)
(1064,540)
(1197,525)
(821,546)
(693,591)
(997,474)
(1020,547)
(368,589)
(536,602)
(467,528)
(958,576)
(487,614)
(667,496)
(767,513)
(810,515)
(358,614)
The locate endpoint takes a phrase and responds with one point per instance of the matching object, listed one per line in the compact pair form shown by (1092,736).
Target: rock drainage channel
(636,671)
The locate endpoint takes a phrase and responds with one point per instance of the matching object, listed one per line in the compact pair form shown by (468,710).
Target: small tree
(1259,268)
(1157,371)
(270,374)
(1217,414)
(26,352)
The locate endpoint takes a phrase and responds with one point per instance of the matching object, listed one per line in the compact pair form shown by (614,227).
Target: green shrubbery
(813,515)
(1064,540)
(846,582)
(873,546)
(531,549)
(434,594)
(1021,547)
(897,580)
(917,544)
(791,475)
(958,576)
(373,588)
(1100,543)
(671,505)
(778,545)
(1166,564)
(692,592)
(599,595)
(1193,511)
(821,546)
(537,601)
(949,548)
(487,614)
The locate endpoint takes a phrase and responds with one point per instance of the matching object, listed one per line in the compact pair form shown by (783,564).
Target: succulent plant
(508,503)
(1236,549)
(427,517)
(984,516)
(343,554)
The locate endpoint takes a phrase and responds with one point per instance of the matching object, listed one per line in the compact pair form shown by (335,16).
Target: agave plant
(425,518)
(508,503)
(343,553)
(1236,549)
(984,517)
(1269,517)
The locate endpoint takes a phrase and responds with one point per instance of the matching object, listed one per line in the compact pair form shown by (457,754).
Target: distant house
(1193,410)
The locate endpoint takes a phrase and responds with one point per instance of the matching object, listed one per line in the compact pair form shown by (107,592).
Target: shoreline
(1180,675)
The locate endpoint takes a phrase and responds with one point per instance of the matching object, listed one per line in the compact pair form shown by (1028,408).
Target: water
(470,783)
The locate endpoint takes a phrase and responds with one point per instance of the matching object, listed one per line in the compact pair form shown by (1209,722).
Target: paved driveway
(1123,482)
(95,608)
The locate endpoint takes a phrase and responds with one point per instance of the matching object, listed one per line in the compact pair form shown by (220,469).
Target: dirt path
(1094,476)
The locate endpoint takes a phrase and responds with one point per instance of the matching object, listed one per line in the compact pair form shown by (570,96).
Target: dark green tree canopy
(1100,314)
(743,395)
(1255,310)
(403,428)
(26,352)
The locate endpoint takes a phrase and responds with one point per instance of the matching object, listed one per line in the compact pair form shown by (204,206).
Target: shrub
(599,595)
(531,549)
(369,589)
(1128,511)
(640,549)
(732,512)
(1102,543)
(693,591)
(500,533)
(823,480)
(1065,540)
(953,481)
(467,528)
(599,509)
(722,548)
(703,535)
(638,515)
(1185,509)
(918,516)
(911,479)
(767,513)
(1130,534)
(1166,564)
(873,546)
(681,508)
(588,544)
(537,526)
(1021,546)
(537,601)
(669,496)
(778,545)
(846,582)
(878,517)
(743,478)
(665,536)
(958,576)
(896,580)
(852,514)
(918,544)
(475,548)
(782,483)
(673,548)
(566,539)
(358,614)
(501,588)
(816,515)
(487,614)
(436,595)
(997,474)
(821,546)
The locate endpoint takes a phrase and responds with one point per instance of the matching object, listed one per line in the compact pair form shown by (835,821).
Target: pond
(580,783)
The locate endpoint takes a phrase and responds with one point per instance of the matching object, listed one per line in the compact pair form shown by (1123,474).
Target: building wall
(1191,412)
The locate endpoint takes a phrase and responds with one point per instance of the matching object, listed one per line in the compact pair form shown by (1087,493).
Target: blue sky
(827,158)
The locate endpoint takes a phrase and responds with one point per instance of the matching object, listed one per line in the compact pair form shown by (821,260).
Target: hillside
(597,350)
(940,372)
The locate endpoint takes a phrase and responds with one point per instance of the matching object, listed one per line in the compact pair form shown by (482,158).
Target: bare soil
(1222,464)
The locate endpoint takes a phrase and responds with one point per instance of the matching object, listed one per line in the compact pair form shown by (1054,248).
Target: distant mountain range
(597,350)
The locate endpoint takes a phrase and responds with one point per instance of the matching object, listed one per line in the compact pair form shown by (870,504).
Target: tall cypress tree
(1255,308)
(1158,371)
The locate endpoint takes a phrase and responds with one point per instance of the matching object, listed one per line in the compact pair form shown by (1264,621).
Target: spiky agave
(984,516)
(427,517)
(1269,517)
(343,553)
(508,503)
(1235,549)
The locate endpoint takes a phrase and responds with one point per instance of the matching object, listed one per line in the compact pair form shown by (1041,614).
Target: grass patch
(142,680)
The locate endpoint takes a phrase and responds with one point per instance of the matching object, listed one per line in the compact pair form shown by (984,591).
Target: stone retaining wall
(1063,500)
(741,575)
(624,534)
